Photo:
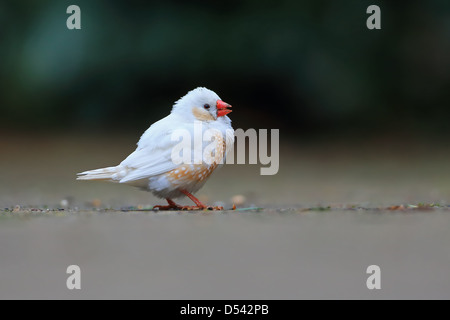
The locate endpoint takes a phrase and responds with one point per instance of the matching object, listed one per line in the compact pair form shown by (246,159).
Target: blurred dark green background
(307,67)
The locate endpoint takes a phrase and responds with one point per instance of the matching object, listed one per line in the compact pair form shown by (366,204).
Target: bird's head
(202,104)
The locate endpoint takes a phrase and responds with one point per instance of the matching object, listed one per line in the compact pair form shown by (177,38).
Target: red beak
(223,108)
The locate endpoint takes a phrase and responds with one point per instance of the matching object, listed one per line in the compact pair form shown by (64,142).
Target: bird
(151,166)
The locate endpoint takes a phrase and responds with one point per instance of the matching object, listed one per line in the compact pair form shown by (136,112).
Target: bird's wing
(153,154)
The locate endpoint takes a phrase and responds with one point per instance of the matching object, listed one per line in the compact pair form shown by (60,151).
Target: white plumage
(151,166)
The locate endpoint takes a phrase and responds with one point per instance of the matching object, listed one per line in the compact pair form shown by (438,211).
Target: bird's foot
(187,208)
(199,205)
(173,206)
(216,208)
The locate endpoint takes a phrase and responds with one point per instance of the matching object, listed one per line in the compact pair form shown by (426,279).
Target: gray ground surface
(291,249)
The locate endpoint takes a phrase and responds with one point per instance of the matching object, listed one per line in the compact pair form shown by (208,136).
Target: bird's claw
(218,208)
(187,208)
(211,208)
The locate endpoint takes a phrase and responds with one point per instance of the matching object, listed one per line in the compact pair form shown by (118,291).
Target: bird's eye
(206,106)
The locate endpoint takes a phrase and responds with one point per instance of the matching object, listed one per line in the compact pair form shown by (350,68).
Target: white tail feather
(110,173)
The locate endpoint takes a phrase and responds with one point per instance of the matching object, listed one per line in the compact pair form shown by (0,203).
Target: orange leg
(199,206)
(196,201)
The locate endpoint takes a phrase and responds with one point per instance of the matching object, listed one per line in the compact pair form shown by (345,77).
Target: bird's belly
(190,173)
(189,177)
(186,177)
